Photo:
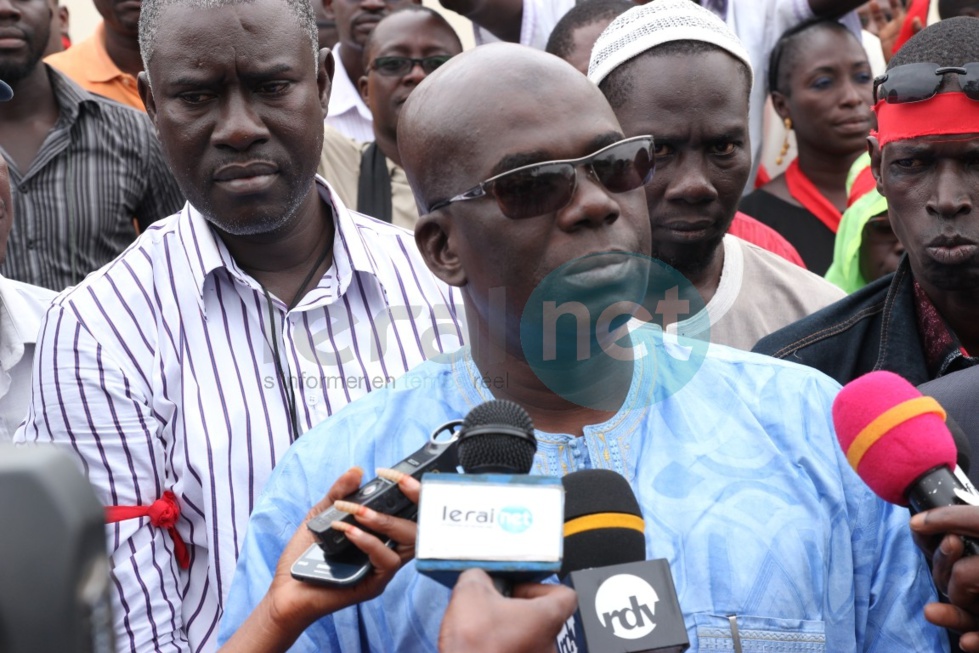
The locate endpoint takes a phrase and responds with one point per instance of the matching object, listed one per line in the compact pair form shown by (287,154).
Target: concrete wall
(84,18)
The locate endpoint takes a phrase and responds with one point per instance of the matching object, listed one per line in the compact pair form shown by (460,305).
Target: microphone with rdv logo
(626,604)
(494,517)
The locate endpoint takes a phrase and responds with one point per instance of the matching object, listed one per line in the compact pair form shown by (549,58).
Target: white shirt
(538,20)
(347,112)
(159,372)
(21,309)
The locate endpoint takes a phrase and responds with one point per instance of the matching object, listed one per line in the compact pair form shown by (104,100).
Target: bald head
(449,117)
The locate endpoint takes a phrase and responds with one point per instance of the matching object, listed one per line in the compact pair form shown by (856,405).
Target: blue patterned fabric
(742,486)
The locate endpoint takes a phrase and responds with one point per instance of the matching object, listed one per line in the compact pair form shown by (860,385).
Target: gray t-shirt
(759,293)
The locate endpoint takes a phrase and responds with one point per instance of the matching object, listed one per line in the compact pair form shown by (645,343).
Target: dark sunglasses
(401,66)
(917,82)
(540,188)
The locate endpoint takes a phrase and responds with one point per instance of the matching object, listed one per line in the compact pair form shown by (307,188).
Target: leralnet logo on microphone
(512,519)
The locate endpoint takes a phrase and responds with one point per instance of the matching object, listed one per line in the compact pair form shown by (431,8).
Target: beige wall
(84,18)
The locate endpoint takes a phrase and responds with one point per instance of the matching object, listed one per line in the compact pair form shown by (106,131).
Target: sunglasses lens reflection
(918,82)
(535,191)
(621,171)
(549,187)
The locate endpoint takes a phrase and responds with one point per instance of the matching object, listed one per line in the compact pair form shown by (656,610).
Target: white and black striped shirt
(158,372)
(98,168)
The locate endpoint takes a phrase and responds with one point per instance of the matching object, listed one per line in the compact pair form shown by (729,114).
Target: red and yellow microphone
(891,434)
(899,444)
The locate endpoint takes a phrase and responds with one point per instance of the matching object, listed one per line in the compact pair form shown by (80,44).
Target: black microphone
(626,604)
(497,437)
(54,574)
(495,516)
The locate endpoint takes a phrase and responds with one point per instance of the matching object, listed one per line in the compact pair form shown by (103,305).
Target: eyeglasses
(917,82)
(401,66)
(540,188)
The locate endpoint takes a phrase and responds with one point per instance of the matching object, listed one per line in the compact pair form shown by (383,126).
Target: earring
(785,143)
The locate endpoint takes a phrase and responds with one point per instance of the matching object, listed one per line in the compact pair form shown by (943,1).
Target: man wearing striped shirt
(21,308)
(82,167)
(182,371)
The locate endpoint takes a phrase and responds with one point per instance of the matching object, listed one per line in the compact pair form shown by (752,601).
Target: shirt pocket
(716,634)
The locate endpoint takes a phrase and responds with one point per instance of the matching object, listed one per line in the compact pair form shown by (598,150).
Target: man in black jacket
(923,321)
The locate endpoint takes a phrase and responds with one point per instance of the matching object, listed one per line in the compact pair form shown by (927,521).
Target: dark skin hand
(938,533)
(888,28)
(534,616)
(291,606)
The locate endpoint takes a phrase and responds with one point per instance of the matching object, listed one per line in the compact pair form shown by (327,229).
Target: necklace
(287,386)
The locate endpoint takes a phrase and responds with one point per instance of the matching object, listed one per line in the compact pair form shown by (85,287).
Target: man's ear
(873,146)
(435,238)
(328,9)
(146,95)
(325,67)
(362,87)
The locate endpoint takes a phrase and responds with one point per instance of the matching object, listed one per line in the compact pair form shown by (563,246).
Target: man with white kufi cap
(758,23)
(675,70)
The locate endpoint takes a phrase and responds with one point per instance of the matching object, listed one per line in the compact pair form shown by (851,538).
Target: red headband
(946,113)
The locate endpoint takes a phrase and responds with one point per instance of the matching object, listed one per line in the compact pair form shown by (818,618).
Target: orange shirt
(88,64)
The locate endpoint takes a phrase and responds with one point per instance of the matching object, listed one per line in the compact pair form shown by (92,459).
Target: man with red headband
(922,321)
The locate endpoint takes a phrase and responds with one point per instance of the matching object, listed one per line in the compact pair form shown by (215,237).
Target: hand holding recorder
(290,605)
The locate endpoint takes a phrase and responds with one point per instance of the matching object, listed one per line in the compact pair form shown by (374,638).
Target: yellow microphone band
(604,520)
(887,420)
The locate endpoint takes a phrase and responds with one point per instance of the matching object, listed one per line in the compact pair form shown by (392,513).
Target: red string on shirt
(810,198)
(163,513)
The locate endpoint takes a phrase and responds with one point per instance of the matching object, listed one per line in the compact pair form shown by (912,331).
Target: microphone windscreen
(603,524)
(497,436)
(890,433)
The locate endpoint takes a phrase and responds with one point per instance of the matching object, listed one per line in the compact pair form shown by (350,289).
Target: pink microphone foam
(906,437)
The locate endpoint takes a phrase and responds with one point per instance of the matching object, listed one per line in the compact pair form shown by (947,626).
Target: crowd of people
(250,249)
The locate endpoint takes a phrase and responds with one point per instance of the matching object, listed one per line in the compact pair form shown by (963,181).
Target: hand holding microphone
(530,620)
(955,574)
(899,444)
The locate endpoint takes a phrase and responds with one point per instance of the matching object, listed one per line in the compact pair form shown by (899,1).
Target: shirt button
(30,243)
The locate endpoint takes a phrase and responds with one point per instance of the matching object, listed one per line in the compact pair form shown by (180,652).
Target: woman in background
(822,87)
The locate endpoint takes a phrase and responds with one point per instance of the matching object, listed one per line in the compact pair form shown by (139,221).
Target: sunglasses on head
(400,66)
(917,82)
(546,187)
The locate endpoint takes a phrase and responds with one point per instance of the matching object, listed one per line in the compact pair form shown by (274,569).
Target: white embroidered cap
(660,21)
